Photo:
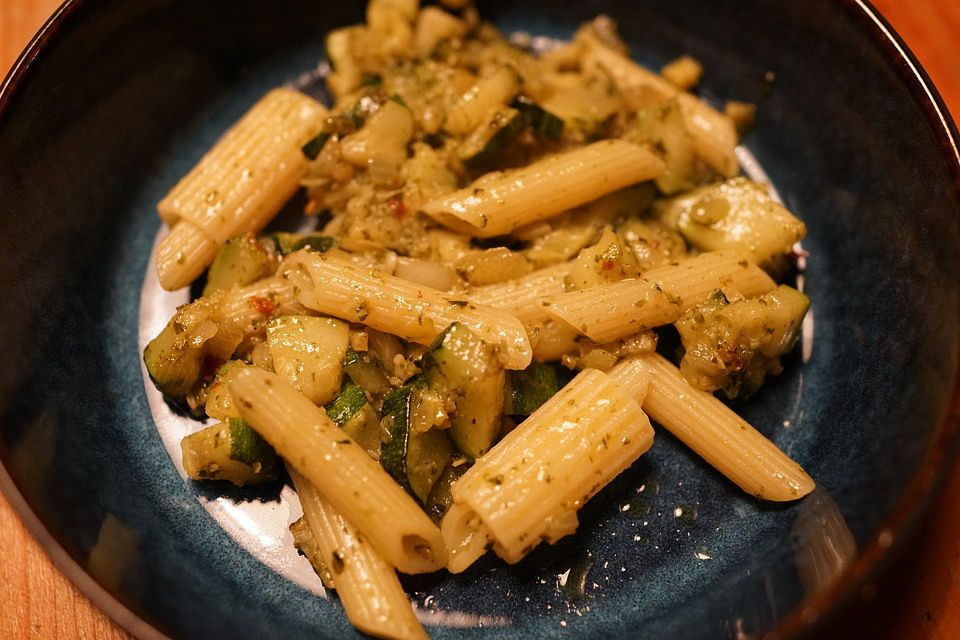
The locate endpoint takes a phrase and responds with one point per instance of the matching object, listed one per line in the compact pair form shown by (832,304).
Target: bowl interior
(129,95)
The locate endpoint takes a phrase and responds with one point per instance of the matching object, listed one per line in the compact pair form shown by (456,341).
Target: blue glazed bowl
(114,100)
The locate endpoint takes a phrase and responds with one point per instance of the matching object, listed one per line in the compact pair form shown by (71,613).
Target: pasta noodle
(531,484)
(716,433)
(714,134)
(368,587)
(523,296)
(239,185)
(349,479)
(412,312)
(499,203)
(607,312)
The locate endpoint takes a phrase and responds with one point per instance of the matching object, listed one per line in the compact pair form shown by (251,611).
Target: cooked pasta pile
(465,350)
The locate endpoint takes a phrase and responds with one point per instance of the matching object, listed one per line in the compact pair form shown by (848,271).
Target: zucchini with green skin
(541,122)
(734,346)
(175,358)
(663,127)
(364,371)
(466,369)
(240,261)
(487,143)
(315,145)
(441,498)
(415,453)
(287,243)
(348,403)
(352,413)
(528,389)
(232,451)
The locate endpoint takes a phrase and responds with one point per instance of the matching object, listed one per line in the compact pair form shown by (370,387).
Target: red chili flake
(606,264)
(396,205)
(263,305)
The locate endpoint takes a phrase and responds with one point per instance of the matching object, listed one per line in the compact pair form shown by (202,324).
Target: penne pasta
(479,204)
(347,477)
(498,203)
(369,590)
(411,311)
(180,252)
(523,296)
(714,134)
(607,312)
(529,487)
(715,432)
(239,185)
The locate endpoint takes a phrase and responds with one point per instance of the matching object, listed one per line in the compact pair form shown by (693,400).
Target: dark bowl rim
(870,561)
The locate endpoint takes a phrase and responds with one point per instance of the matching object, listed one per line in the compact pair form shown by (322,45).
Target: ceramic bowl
(114,101)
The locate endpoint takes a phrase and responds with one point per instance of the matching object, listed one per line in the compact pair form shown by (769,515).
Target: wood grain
(918,600)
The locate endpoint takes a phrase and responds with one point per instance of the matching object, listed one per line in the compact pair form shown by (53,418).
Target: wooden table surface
(919,599)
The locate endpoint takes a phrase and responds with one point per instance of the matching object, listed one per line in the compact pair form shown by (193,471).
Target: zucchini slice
(363,369)
(735,215)
(527,390)
(486,145)
(175,358)
(230,450)
(219,404)
(315,145)
(541,122)
(466,369)
(734,346)
(286,243)
(441,498)
(414,454)
(663,127)
(348,404)
(353,413)
(307,351)
(240,261)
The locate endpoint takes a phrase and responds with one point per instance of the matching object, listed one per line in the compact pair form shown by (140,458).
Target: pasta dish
(519,262)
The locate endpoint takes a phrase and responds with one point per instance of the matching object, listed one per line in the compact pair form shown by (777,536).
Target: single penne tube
(347,477)
(369,590)
(180,252)
(717,434)
(240,184)
(523,297)
(529,487)
(714,134)
(607,312)
(411,311)
(500,202)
